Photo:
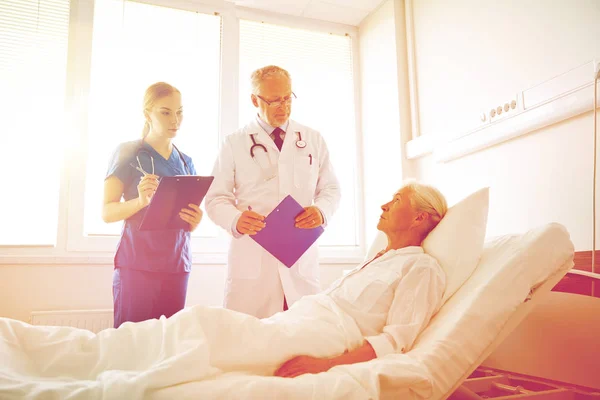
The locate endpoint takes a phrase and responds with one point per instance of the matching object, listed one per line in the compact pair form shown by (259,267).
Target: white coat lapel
(291,136)
(266,161)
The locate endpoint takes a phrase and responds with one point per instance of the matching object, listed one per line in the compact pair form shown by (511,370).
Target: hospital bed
(513,275)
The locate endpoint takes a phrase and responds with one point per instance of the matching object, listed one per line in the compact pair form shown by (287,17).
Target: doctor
(259,165)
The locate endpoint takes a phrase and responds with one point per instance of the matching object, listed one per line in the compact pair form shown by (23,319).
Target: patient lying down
(378,308)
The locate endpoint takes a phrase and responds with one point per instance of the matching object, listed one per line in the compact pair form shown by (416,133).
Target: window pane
(322,77)
(135,45)
(33,65)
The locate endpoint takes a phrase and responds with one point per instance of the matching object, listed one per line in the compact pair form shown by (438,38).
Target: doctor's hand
(250,222)
(146,188)
(191,215)
(303,365)
(310,218)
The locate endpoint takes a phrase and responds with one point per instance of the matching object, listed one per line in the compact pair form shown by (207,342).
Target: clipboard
(173,194)
(281,238)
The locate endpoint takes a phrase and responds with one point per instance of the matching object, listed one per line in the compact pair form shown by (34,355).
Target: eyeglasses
(278,103)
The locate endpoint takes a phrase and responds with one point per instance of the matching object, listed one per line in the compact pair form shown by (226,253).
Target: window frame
(72,246)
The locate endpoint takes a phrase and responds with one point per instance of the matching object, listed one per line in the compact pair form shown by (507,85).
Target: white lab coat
(254,277)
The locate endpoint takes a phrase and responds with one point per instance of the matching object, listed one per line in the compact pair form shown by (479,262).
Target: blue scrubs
(151,267)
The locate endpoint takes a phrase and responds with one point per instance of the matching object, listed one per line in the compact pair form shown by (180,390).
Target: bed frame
(534,298)
(550,355)
(486,383)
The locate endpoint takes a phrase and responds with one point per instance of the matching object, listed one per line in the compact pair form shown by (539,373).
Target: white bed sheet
(198,344)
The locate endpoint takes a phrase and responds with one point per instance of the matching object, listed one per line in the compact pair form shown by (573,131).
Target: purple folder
(281,238)
(173,194)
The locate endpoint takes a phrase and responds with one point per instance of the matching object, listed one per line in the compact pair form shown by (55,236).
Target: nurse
(258,166)
(152,268)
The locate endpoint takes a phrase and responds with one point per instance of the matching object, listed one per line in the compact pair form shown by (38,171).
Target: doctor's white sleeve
(220,199)
(416,299)
(328,192)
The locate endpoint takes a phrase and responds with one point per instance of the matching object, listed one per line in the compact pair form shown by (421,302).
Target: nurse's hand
(191,215)
(250,222)
(310,218)
(146,188)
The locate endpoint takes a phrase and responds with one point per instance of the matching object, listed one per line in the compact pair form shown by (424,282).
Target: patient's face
(398,214)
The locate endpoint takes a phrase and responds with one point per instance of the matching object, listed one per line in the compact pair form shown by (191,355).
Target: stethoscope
(299,143)
(268,176)
(141,150)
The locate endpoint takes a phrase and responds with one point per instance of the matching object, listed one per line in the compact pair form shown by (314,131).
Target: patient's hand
(311,365)
(302,365)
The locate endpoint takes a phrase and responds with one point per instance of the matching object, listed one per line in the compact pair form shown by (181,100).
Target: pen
(310,158)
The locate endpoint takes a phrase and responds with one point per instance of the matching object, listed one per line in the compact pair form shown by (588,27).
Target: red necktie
(277,138)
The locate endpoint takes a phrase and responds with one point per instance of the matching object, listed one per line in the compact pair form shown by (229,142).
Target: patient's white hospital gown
(393,298)
(388,302)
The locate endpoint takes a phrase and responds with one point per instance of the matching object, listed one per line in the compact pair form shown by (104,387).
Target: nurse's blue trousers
(140,295)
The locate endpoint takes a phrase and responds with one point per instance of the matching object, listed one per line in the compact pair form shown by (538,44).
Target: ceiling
(349,12)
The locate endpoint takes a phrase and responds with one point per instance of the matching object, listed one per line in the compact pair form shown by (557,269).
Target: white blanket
(219,350)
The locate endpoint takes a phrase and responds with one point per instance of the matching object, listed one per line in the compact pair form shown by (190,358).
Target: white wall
(24,289)
(471,55)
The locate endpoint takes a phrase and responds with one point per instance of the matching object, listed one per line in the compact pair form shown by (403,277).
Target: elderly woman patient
(391,297)
(378,308)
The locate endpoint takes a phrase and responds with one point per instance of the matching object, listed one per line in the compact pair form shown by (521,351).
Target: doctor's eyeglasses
(275,104)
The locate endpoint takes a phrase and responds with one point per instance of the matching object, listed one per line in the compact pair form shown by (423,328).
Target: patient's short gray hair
(428,199)
(266,72)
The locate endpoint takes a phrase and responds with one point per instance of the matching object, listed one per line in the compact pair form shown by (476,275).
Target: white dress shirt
(269,129)
(392,298)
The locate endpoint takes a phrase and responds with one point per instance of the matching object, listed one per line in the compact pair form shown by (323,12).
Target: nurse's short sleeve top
(160,251)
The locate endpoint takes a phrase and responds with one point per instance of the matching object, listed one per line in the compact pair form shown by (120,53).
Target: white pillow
(379,243)
(457,241)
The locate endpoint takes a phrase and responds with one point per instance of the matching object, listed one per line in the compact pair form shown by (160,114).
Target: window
(321,66)
(33,66)
(135,45)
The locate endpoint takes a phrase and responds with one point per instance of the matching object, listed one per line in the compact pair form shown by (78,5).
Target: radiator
(92,320)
